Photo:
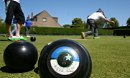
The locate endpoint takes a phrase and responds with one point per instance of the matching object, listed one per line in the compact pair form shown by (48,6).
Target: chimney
(31,14)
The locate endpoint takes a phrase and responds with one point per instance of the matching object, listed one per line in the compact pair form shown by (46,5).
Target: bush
(57,31)
(2,28)
(119,32)
(105,32)
(54,31)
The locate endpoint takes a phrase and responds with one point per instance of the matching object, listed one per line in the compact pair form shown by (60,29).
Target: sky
(67,10)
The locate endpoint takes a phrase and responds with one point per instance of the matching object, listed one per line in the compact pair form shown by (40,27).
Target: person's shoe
(96,37)
(82,35)
(9,38)
(22,38)
(28,36)
(13,38)
(16,38)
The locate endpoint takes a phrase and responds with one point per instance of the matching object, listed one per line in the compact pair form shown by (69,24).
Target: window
(35,19)
(44,19)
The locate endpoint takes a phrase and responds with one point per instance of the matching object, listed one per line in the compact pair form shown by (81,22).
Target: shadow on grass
(9,70)
(4,40)
(36,70)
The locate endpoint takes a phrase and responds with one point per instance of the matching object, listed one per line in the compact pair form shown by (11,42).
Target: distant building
(44,19)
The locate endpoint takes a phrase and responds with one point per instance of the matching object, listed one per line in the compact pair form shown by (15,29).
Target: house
(44,19)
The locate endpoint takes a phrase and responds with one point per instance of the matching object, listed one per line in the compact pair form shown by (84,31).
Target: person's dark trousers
(14,10)
(93,29)
(27,29)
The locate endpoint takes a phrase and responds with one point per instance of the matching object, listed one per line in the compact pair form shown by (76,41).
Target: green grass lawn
(110,55)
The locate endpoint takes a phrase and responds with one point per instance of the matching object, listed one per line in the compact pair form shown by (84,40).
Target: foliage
(115,25)
(58,31)
(67,26)
(128,22)
(105,32)
(1,22)
(54,31)
(2,27)
(85,25)
(77,23)
(64,31)
(120,32)
(100,22)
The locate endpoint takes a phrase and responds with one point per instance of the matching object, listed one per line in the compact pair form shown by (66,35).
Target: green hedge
(105,32)
(64,31)
(58,31)
(2,28)
(54,31)
(119,32)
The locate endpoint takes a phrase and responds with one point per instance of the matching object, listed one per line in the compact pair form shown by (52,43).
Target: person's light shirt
(96,16)
(15,1)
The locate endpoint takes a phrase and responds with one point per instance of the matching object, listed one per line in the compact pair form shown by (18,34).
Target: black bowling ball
(20,56)
(32,38)
(64,59)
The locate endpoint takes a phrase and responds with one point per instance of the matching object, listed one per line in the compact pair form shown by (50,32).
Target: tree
(112,25)
(85,25)
(77,23)
(128,22)
(116,24)
(100,23)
